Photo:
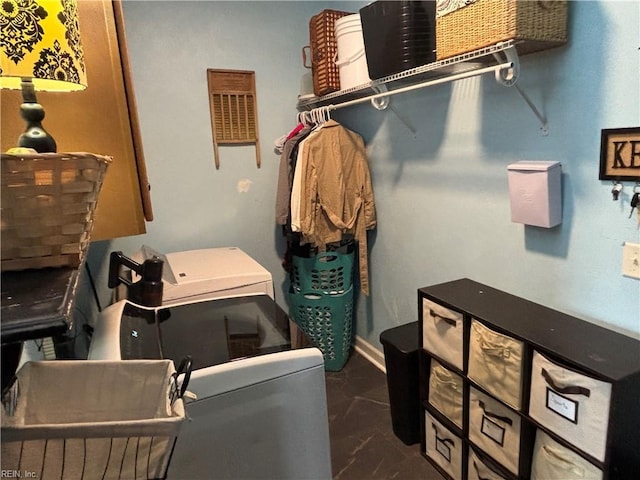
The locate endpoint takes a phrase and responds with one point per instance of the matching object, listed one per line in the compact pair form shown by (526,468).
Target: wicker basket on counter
(534,25)
(323,46)
(48,206)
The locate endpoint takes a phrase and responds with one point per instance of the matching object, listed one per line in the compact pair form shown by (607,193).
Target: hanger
(320,115)
(328,112)
(307,118)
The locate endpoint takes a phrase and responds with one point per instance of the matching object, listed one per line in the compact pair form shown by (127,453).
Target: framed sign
(620,154)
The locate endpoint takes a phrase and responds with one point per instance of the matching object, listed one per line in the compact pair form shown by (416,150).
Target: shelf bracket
(541,117)
(404,120)
(382,103)
(509,76)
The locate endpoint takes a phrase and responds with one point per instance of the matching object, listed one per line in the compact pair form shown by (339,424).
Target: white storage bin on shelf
(446,392)
(494,428)
(442,333)
(495,363)
(572,405)
(351,59)
(553,461)
(443,447)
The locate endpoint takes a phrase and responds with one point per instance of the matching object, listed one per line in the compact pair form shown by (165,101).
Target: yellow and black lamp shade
(40,50)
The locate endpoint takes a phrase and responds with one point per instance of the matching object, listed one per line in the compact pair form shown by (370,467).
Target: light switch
(631,260)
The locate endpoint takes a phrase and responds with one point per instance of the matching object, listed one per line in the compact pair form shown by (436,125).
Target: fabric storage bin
(495,363)
(446,392)
(570,404)
(327,320)
(398,35)
(479,468)
(323,50)
(442,332)
(463,25)
(92,419)
(443,447)
(553,461)
(494,428)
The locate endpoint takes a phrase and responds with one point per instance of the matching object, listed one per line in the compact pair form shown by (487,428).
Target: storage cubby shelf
(500,59)
(534,381)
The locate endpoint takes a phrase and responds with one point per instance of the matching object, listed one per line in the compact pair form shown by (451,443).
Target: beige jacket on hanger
(337,192)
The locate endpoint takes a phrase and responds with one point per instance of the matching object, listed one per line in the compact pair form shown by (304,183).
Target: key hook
(635,199)
(615,191)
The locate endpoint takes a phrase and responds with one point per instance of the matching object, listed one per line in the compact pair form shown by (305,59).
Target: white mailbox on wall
(535,191)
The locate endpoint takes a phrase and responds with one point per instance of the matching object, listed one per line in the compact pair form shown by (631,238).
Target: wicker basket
(326,75)
(535,25)
(48,205)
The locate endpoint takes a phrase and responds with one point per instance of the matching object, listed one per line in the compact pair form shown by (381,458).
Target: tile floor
(363,445)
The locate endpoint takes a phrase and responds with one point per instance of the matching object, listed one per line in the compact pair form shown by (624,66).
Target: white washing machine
(208,273)
(260,410)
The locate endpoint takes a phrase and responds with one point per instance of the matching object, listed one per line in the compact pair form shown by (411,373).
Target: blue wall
(441,193)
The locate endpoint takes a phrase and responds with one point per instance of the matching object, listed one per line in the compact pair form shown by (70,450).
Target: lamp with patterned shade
(40,49)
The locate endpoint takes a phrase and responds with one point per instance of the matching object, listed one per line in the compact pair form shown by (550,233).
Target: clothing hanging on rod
(297,192)
(308,122)
(324,187)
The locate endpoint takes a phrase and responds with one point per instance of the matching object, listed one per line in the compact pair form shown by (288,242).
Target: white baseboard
(368,351)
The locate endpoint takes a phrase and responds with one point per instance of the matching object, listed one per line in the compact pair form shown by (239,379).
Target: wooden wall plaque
(620,154)
(233,107)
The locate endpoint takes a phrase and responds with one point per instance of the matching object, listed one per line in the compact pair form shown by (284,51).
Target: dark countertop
(37,303)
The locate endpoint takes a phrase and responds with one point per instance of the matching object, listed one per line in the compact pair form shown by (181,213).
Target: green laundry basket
(327,272)
(327,320)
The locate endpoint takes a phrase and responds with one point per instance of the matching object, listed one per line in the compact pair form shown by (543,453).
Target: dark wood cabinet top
(37,303)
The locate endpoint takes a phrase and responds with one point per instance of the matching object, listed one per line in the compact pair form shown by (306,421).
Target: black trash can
(401,345)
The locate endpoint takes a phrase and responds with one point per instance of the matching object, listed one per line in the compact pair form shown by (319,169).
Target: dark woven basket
(326,75)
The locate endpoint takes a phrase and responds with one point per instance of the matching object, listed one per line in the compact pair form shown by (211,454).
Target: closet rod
(428,83)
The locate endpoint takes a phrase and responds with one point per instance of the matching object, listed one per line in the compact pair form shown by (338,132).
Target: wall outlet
(631,260)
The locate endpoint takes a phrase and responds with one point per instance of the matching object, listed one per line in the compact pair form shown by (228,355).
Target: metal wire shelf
(500,59)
